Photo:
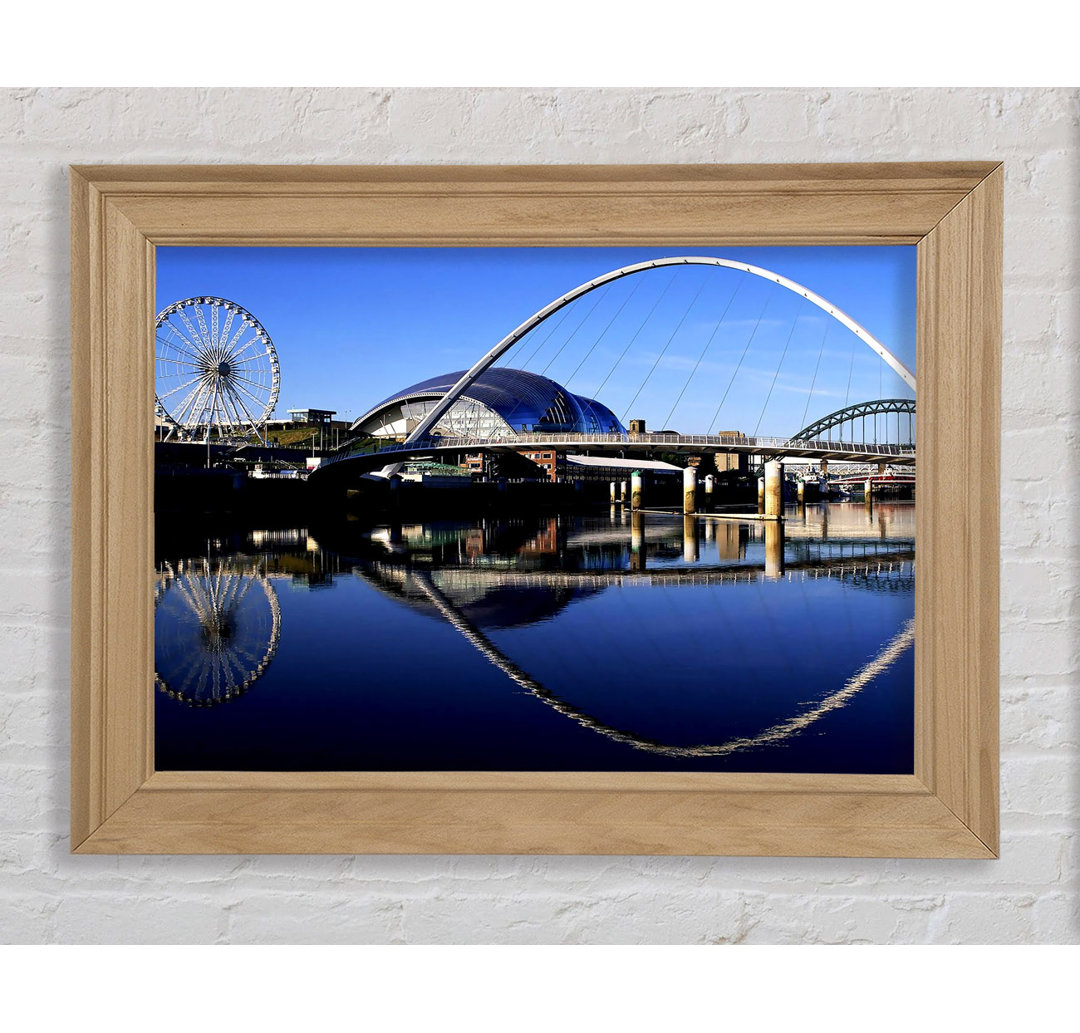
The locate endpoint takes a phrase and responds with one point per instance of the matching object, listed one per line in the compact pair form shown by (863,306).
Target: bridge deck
(637,444)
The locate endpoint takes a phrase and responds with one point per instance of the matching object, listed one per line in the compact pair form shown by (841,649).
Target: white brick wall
(1029,896)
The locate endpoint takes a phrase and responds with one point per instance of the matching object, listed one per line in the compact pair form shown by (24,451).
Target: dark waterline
(570,642)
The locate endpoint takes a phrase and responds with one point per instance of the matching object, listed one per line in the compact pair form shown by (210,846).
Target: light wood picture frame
(952,212)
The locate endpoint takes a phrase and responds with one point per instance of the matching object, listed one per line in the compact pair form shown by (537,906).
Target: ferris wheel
(216,371)
(216,629)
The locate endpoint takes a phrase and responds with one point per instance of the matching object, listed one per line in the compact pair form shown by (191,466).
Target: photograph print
(535,509)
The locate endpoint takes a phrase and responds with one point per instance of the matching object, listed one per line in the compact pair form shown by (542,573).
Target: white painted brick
(162,916)
(342,916)
(838,918)
(1040,718)
(999,918)
(1041,785)
(1029,896)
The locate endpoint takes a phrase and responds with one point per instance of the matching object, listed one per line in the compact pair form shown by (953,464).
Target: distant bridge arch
(467,378)
(850,413)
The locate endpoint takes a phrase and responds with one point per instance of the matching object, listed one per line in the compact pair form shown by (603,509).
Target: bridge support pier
(774,490)
(636,495)
(613,495)
(689,488)
(710,484)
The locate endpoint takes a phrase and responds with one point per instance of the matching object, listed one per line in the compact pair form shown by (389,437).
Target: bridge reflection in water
(602,642)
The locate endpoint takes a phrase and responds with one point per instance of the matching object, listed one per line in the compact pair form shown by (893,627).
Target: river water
(594,641)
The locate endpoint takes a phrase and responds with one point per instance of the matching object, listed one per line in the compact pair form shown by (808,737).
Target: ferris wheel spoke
(236,337)
(193,380)
(177,347)
(235,418)
(203,331)
(185,408)
(188,672)
(191,339)
(177,362)
(243,417)
(209,408)
(243,588)
(256,340)
(238,380)
(193,334)
(227,419)
(247,380)
(194,595)
(254,361)
(224,335)
(193,404)
(171,350)
(258,402)
(232,659)
(236,396)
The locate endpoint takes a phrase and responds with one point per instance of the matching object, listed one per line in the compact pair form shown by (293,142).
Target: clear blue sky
(353,325)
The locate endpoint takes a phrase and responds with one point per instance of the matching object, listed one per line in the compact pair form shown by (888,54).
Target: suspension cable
(665,348)
(847,392)
(544,340)
(783,355)
(637,283)
(708,344)
(584,319)
(813,381)
(738,366)
(667,286)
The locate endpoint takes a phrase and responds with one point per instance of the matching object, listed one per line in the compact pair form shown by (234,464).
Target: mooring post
(636,495)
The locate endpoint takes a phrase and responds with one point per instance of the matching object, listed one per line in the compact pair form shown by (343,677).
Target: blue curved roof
(524,400)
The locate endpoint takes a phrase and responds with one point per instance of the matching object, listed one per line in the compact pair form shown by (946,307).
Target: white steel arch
(534,320)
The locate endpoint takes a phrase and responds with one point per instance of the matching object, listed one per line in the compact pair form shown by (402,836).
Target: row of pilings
(773,491)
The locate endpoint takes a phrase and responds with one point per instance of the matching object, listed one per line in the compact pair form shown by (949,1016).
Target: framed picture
(536,509)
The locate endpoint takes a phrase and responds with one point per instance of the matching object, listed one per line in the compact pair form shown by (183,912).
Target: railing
(734,441)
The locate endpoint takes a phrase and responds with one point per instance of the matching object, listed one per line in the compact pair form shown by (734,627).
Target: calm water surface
(575,642)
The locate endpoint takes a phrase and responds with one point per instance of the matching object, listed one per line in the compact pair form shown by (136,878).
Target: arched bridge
(812,443)
(848,415)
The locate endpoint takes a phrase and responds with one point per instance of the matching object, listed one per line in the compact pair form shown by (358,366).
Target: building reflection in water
(218,621)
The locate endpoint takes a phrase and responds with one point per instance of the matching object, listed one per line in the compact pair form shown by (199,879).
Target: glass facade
(499,404)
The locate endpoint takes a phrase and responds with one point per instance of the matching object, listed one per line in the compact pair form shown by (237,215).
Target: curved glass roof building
(499,404)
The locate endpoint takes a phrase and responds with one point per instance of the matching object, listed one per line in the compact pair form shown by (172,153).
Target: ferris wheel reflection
(216,630)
